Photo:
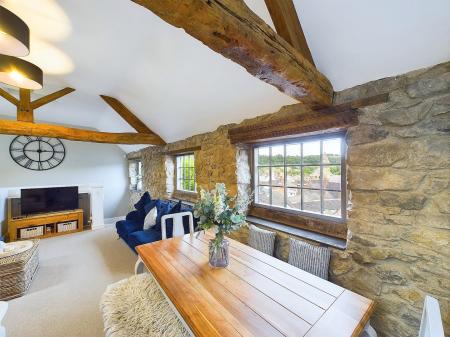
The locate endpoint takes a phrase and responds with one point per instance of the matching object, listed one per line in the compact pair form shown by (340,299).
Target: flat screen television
(52,199)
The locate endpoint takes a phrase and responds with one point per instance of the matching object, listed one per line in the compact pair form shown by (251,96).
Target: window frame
(138,176)
(303,213)
(177,189)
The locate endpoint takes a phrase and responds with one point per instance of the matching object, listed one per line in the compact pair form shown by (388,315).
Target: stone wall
(398,174)
(398,180)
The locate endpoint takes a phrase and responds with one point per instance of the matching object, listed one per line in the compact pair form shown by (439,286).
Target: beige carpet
(74,271)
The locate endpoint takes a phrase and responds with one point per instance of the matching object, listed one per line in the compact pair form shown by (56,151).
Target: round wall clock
(37,153)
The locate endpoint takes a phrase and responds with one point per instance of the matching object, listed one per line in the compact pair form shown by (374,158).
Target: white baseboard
(107,222)
(112,221)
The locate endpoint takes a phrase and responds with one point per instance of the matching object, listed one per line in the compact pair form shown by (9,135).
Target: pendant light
(20,73)
(14,34)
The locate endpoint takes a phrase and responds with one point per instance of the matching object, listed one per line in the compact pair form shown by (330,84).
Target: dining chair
(431,324)
(312,259)
(177,227)
(177,230)
(261,239)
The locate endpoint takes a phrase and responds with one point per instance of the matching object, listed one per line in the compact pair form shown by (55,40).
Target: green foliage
(216,209)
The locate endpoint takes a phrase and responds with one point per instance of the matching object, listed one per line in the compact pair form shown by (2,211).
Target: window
(186,173)
(135,174)
(304,175)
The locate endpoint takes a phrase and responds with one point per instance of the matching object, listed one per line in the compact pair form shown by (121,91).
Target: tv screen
(42,200)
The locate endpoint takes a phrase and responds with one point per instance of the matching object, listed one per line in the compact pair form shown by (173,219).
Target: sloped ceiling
(179,87)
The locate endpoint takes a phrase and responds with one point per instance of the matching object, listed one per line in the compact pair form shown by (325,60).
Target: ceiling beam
(230,28)
(10,127)
(286,22)
(51,97)
(24,109)
(6,95)
(128,116)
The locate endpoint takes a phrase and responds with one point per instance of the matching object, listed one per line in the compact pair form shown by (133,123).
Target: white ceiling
(179,87)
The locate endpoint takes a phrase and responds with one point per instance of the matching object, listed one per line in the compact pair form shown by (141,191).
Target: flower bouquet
(224,214)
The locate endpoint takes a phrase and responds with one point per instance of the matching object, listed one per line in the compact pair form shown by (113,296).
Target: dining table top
(256,295)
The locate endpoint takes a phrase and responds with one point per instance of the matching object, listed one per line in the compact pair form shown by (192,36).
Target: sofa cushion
(143,237)
(145,198)
(126,227)
(150,205)
(170,209)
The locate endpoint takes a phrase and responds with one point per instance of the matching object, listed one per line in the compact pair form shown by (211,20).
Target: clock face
(37,153)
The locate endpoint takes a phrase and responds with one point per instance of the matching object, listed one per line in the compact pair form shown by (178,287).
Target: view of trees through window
(300,175)
(186,173)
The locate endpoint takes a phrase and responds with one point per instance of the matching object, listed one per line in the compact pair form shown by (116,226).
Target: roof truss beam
(231,29)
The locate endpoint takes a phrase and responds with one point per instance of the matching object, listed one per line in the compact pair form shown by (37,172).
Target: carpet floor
(63,300)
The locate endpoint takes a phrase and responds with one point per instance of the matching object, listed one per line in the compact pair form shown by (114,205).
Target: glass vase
(218,253)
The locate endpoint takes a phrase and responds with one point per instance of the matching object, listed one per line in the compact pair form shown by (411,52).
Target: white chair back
(431,325)
(3,309)
(178,228)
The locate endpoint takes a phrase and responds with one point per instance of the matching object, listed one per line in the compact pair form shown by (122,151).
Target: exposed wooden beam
(230,28)
(305,121)
(51,97)
(287,25)
(183,150)
(358,103)
(10,127)
(24,109)
(128,116)
(6,95)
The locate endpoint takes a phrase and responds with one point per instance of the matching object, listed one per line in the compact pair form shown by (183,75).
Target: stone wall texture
(398,165)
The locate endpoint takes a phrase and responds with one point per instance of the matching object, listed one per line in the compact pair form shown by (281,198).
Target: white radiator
(67,226)
(31,232)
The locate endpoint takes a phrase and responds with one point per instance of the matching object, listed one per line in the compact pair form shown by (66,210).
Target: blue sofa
(131,229)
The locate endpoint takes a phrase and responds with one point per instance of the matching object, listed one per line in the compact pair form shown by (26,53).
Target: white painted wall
(85,164)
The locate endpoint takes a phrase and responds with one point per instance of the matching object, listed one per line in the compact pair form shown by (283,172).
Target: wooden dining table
(256,295)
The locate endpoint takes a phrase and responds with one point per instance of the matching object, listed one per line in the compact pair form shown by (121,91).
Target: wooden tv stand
(49,221)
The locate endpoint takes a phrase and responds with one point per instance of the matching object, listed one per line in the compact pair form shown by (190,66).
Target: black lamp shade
(20,73)
(14,34)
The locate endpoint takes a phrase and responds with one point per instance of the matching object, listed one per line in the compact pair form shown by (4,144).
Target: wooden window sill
(185,196)
(316,237)
(330,228)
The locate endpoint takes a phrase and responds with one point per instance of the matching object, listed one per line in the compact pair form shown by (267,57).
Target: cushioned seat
(126,227)
(262,240)
(137,307)
(143,237)
(312,259)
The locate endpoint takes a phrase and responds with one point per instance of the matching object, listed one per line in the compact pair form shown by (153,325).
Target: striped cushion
(310,258)
(261,240)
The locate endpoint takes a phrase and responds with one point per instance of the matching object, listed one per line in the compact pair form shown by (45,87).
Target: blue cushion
(149,206)
(169,209)
(133,216)
(143,237)
(126,227)
(145,199)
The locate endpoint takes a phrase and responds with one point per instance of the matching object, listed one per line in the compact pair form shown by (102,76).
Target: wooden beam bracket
(51,97)
(128,116)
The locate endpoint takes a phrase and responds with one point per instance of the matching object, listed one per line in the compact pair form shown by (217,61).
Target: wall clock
(37,153)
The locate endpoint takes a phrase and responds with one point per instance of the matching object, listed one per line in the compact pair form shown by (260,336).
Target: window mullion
(301,176)
(270,175)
